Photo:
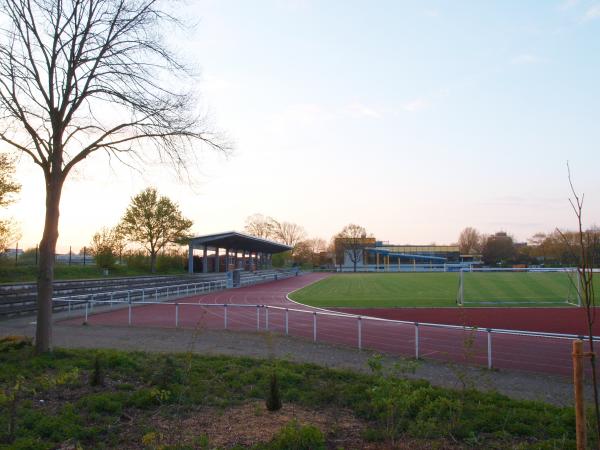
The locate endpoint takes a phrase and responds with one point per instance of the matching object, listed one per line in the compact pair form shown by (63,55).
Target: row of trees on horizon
(153,224)
(556,248)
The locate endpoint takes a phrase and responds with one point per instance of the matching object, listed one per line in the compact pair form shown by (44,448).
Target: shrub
(97,378)
(171,261)
(169,372)
(295,437)
(8,343)
(107,403)
(137,260)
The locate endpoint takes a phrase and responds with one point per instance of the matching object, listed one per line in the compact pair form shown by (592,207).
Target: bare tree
(585,250)
(259,226)
(352,240)
(470,241)
(287,233)
(79,76)
(317,245)
(307,251)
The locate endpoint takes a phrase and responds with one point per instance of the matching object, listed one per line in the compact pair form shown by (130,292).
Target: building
(241,252)
(369,254)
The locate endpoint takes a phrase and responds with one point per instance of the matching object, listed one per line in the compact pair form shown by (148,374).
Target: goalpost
(526,286)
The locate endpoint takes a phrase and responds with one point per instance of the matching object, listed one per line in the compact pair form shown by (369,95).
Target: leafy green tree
(154,222)
(105,248)
(499,248)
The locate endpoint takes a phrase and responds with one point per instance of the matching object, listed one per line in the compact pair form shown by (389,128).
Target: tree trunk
(153,261)
(43,335)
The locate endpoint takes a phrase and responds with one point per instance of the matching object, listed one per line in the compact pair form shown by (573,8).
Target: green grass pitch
(385,290)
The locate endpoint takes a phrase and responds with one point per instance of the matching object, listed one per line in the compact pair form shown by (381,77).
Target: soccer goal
(514,287)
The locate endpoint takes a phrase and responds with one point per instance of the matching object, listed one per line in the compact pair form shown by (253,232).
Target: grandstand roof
(238,241)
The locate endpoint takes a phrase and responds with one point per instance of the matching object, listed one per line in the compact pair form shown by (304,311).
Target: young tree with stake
(584,250)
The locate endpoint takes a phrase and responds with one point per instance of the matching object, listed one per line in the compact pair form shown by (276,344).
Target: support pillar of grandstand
(190,259)
(205,259)
(217,260)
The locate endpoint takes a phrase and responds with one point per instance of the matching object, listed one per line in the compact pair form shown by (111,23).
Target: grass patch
(145,397)
(388,290)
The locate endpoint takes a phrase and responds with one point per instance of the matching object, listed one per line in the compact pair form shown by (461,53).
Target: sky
(412,119)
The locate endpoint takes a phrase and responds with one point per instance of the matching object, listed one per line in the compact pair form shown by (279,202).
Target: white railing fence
(164,293)
(413,339)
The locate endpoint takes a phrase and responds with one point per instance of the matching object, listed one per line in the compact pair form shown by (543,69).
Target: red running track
(568,320)
(450,345)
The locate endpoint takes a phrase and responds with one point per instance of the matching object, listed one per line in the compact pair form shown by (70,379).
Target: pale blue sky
(413,119)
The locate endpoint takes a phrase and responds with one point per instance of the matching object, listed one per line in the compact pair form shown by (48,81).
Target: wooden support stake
(579,396)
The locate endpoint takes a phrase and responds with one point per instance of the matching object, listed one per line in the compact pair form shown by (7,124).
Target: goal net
(527,287)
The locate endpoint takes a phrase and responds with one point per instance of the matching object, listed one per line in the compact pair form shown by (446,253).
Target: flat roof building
(378,255)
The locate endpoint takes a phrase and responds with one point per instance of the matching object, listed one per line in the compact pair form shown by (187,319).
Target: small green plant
(274,397)
(169,372)
(201,442)
(10,399)
(293,436)
(97,377)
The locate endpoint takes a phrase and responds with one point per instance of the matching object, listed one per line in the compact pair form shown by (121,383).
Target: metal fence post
(266,318)
(416,340)
(156,294)
(286,321)
(359,333)
(129,317)
(315,326)
(111,299)
(143,294)
(176,315)
(86,311)
(489,349)
(257,317)
(225,314)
